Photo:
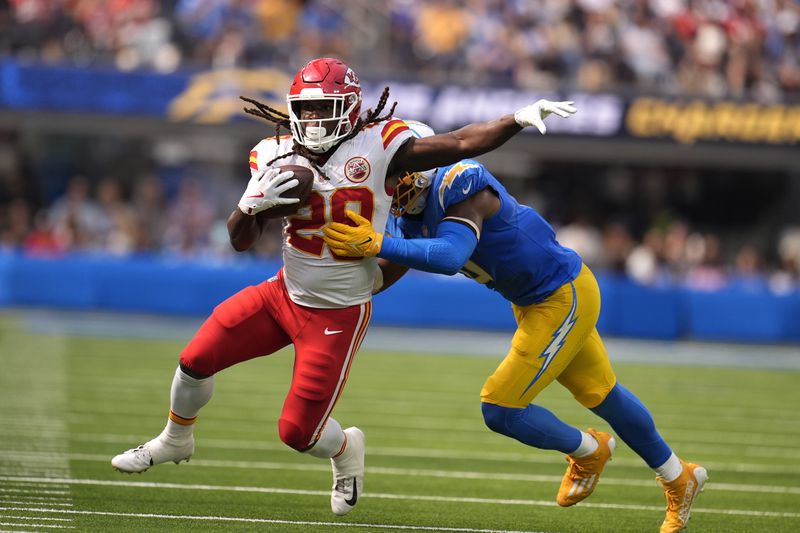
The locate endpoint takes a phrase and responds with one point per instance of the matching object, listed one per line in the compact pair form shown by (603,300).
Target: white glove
(264,190)
(534,114)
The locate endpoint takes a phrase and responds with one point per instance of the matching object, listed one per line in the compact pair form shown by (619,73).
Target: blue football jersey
(517,254)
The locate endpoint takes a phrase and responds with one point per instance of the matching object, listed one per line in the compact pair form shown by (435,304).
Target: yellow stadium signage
(693,121)
(213,97)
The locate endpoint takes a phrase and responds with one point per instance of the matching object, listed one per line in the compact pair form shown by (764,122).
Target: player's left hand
(353,241)
(534,114)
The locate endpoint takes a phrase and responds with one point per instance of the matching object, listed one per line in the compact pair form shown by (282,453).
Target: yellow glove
(353,241)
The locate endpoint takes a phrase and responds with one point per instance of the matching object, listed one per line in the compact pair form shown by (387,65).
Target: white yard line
(33,396)
(44,518)
(676,431)
(26,524)
(533,456)
(36,491)
(454,474)
(34,501)
(10,482)
(388,496)
(282,522)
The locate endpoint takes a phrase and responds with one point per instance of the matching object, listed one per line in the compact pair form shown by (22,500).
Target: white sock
(671,469)
(587,447)
(330,442)
(187,396)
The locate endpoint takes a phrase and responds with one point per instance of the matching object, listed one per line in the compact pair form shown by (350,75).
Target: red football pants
(258,321)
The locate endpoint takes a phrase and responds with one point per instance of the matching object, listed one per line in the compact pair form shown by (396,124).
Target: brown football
(305,177)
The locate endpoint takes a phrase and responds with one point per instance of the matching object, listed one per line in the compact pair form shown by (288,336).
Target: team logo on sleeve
(450,177)
(254,160)
(357,169)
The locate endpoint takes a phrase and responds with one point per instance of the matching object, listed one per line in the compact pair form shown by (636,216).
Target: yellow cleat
(583,473)
(680,494)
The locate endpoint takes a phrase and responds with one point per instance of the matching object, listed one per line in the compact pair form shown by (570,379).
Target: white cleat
(348,473)
(152,453)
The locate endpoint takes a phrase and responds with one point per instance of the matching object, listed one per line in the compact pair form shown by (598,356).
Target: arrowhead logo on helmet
(351,79)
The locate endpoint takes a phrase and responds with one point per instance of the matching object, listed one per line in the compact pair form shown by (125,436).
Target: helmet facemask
(410,195)
(321,134)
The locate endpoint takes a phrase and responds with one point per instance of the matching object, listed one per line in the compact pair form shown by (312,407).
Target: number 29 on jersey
(305,231)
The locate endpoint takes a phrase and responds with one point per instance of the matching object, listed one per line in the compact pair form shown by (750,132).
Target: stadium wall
(209,97)
(176,286)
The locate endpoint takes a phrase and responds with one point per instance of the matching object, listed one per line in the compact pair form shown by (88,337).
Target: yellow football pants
(555,339)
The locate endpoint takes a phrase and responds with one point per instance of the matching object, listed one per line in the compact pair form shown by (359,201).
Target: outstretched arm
(473,139)
(456,238)
(444,254)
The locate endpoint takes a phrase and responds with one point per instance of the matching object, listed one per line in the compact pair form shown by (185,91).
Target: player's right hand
(264,190)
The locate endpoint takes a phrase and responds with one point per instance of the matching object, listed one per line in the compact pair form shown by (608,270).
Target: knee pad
(495,416)
(293,435)
(196,364)
(592,398)
(199,357)
(192,373)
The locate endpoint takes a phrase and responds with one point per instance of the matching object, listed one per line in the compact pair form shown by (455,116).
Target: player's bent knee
(192,373)
(496,416)
(293,435)
(196,364)
(593,398)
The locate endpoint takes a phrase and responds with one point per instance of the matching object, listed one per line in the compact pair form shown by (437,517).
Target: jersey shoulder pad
(458,182)
(266,150)
(394,133)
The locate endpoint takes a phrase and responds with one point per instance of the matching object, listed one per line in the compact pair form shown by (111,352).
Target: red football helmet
(324,80)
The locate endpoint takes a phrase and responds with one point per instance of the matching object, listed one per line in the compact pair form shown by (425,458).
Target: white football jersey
(356,175)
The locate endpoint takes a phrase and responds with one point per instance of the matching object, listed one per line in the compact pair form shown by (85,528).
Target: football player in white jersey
(319,301)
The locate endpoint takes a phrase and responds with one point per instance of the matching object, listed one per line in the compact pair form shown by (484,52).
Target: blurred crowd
(714,48)
(675,254)
(141,217)
(105,218)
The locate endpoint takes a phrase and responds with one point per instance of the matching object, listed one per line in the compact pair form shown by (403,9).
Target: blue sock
(533,425)
(633,423)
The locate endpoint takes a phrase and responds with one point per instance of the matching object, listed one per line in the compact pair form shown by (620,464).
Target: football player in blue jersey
(461,219)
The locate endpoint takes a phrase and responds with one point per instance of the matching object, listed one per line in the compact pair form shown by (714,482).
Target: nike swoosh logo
(354,498)
(332,331)
(259,195)
(466,189)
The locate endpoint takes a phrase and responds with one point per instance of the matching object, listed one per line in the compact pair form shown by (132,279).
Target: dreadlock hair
(281,120)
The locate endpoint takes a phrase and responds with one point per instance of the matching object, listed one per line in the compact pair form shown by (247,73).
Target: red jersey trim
(392,129)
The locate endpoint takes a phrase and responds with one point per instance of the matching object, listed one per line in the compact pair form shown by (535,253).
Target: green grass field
(67,404)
